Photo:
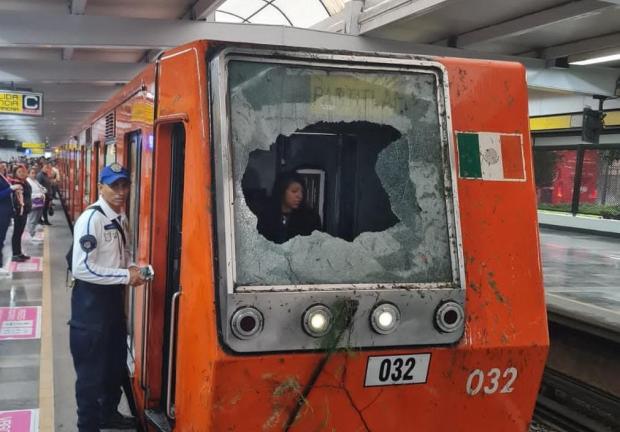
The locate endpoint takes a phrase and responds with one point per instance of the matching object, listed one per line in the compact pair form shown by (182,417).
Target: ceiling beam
(532,22)
(28,54)
(73,106)
(353,10)
(388,12)
(67,53)
(76,7)
(203,8)
(586,45)
(73,92)
(590,81)
(67,72)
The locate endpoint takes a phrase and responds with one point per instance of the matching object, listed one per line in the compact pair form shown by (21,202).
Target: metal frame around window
(223,158)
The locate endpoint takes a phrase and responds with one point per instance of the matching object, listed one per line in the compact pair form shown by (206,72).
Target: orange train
(415,302)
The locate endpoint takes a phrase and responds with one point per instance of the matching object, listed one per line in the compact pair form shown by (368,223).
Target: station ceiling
(79,52)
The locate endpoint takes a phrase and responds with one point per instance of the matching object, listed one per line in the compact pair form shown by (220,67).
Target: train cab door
(168,266)
(173,271)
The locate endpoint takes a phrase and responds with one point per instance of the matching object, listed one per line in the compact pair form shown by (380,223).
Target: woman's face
(293,196)
(32,174)
(21,173)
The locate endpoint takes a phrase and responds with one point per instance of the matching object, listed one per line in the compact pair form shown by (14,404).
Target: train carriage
(415,302)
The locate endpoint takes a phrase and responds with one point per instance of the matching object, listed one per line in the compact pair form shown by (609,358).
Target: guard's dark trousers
(98,336)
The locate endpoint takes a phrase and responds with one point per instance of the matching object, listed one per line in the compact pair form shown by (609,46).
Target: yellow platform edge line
(46,366)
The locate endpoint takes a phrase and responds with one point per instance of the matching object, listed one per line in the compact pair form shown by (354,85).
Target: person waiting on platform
(287,216)
(22,204)
(43,177)
(55,177)
(6,211)
(38,202)
(98,333)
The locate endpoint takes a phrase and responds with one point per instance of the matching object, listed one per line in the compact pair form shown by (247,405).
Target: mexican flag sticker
(491,156)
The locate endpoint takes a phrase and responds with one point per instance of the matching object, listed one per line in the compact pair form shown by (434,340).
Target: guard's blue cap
(112,173)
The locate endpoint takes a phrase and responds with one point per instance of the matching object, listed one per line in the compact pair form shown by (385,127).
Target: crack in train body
(408,296)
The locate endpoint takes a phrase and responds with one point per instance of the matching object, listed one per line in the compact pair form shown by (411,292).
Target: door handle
(145,327)
(173,318)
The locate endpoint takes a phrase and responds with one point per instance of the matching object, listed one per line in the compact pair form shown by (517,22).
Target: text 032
(397,370)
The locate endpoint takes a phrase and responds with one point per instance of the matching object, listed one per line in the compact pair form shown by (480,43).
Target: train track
(580,390)
(567,405)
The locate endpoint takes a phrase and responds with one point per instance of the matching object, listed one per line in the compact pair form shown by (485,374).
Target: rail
(580,389)
(568,405)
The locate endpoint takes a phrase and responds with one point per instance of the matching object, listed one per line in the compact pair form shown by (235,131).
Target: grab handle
(173,319)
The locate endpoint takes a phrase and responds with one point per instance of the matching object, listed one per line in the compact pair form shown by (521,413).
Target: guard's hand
(16,187)
(135,278)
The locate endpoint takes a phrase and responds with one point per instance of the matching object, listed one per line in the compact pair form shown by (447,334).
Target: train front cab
(418,301)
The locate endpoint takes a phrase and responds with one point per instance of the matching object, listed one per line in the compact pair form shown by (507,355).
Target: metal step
(158,419)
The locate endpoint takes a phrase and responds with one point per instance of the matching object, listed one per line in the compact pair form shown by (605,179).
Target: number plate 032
(397,370)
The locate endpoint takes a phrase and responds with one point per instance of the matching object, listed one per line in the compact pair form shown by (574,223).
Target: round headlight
(246,322)
(385,318)
(449,316)
(317,320)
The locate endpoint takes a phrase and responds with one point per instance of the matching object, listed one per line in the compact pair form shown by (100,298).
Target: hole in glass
(320,178)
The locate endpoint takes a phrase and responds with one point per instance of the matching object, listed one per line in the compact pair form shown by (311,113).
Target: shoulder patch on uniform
(88,243)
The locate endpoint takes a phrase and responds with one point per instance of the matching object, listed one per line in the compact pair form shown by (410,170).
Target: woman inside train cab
(287,215)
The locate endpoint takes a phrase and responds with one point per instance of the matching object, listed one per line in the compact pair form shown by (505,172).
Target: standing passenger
(44,178)
(55,175)
(98,333)
(6,211)
(21,207)
(38,201)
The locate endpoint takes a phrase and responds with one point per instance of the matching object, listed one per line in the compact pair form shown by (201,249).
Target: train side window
(109,155)
(369,149)
(78,163)
(87,173)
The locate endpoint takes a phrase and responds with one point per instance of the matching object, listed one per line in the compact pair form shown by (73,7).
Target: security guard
(98,333)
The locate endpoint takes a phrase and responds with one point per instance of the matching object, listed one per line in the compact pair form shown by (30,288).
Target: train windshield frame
(301,211)
(250,260)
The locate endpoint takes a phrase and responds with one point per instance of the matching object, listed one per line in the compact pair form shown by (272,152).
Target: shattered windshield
(337,176)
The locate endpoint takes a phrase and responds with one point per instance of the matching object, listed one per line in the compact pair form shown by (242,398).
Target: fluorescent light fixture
(595,60)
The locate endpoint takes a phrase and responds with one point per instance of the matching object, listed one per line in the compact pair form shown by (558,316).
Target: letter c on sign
(31,102)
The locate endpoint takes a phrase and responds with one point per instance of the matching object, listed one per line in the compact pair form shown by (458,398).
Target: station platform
(581,273)
(36,370)
(582,280)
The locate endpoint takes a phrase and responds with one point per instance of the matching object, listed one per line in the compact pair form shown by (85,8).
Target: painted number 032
(491,381)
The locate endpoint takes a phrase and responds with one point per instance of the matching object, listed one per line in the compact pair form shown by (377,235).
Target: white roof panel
(296,13)
(270,15)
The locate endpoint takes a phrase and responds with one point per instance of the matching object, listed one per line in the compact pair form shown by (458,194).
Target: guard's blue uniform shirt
(99,255)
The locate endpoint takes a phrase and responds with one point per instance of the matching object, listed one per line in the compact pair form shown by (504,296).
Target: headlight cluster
(318,319)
